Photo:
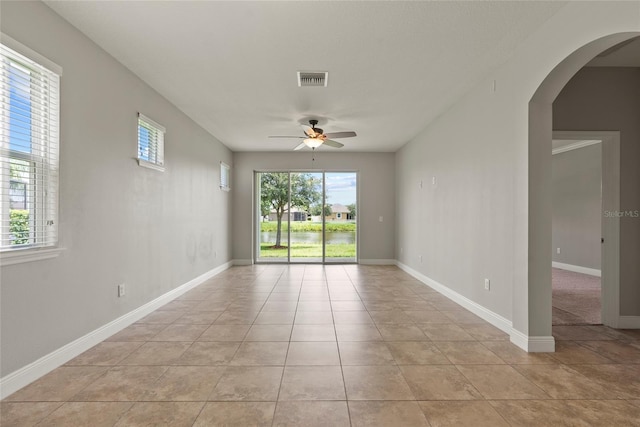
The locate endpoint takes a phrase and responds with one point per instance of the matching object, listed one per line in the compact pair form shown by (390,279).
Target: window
(29,148)
(150,143)
(224,176)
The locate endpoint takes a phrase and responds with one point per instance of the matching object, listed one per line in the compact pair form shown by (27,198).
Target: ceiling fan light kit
(315,137)
(313,142)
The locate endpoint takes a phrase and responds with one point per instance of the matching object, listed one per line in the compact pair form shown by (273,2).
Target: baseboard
(533,344)
(242,262)
(525,342)
(495,319)
(629,322)
(377,261)
(31,372)
(577,269)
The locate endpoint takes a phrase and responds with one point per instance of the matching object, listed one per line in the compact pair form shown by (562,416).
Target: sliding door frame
(257,215)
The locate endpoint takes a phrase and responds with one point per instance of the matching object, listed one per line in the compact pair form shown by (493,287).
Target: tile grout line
(335,331)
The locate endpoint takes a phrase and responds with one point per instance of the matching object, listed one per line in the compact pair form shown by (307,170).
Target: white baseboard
(629,322)
(377,261)
(495,319)
(533,344)
(525,342)
(31,372)
(577,269)
(242,262)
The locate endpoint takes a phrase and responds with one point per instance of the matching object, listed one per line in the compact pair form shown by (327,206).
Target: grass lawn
(309,250)
(307,226)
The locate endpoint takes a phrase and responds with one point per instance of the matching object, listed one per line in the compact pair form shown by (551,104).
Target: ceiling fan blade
(302,145)
(332,143)
(348,134)
(287,136)
(308,130)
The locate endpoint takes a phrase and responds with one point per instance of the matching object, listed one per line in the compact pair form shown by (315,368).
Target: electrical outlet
(121,290)
(487,284)
(420,258)
(434,181)
(558,251)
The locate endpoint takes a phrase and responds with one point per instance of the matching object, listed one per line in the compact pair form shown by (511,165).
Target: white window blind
(29,147)
(150,143)
(224,177)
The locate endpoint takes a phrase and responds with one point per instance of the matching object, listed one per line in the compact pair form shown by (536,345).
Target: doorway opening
(576,232)
(306,217)
(537,258)
(585,191)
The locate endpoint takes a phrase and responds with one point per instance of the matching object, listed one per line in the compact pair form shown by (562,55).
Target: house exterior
(295,214)
(339,213)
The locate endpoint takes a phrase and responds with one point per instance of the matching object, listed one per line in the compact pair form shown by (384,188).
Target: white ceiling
(231,66)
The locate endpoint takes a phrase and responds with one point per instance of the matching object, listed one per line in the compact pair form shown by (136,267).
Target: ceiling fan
(315,137)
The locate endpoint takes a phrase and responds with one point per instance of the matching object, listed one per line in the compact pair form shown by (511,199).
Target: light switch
(380,218)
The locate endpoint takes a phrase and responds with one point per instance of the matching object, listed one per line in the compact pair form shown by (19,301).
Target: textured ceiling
(231,66)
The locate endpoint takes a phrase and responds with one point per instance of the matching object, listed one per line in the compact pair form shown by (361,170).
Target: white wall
(577,206)
(119,223)
(604,99)
(482,218)
(376,185)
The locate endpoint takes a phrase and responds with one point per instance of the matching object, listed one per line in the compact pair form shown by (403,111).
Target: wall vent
(313,78)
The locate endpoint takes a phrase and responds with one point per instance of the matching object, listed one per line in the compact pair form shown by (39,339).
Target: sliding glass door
(306,234)
(306,217)
(340,217)
(273,221)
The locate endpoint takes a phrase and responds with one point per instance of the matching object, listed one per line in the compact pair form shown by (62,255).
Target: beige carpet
(576,298)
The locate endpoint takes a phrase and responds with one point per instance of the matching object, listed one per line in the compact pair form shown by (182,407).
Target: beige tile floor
(308,345)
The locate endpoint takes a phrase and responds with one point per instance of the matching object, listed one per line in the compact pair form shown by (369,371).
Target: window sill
(28,255)
(150,165)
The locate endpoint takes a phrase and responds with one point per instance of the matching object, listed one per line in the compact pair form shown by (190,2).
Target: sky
(341,187)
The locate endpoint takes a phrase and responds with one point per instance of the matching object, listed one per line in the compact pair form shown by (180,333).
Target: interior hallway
(332,345)
(576,298)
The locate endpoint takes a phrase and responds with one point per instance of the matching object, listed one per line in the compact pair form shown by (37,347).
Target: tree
(327,210)
(316,210)
(274,193)
(265,209)
(352,210)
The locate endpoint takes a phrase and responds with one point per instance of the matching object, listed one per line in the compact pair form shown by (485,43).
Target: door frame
(256,214)
(610,223)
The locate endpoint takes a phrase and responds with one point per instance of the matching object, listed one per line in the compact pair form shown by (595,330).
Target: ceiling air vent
(313,78)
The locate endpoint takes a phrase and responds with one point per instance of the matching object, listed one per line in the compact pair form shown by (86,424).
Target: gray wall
(609,99)
(463,225)
(376,185)
(119,223)
(577,206)
(480,220)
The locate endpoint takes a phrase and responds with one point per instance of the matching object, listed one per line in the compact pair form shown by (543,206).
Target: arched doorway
(539,186)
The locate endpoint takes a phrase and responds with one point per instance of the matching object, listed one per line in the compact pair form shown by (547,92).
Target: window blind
(224,176)
(29,148)
(150,141)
